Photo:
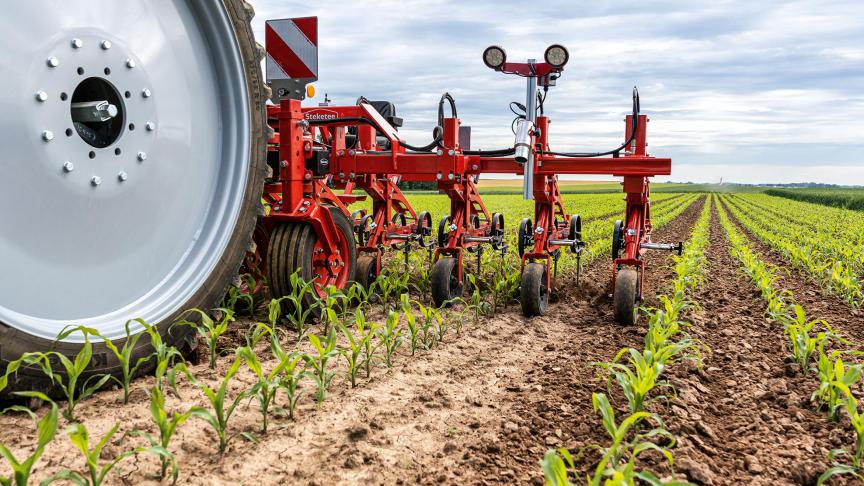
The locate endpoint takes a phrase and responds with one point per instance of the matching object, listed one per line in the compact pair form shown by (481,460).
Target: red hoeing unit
(358,148)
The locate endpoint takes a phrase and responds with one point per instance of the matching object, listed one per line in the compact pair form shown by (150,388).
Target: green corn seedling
(431,320)
(857,422)
(332,300)
(165,354)
(555,465)
(241,296)
(318,363)
(167,426)
(352,353)
(637,382)
(390,337)
(208,329)
(46,429)
(97,472)
(367,330)
(803,344)
(268,384)
(410,322)
(75,371)
(290,381)
(298,310)
(124,357)
(221,407)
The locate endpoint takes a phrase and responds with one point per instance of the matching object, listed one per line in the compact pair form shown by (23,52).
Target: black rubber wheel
(293,246)
(445,281)
(14,342)
(624,296)
(534,291)
(617,238)
(367,270)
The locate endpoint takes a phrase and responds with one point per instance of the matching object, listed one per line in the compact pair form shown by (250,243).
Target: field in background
(514,186)
(851,198)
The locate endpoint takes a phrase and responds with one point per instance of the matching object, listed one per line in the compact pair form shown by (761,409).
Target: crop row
(833,262)
(807,341)
(639,374)
(847,199)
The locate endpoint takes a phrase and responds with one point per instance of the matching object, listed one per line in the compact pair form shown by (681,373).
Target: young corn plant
(331,302)
(353,353)
(241,295)
(803,344)
(97,472)
(476,304)
(124,357)
(392,284)
(318,362)
(208,329)
(74,371)
(46,429)
(165,354)
(221,407)
(268,384)
(835,377)
(853,468)
(297,310)
(289,382)
(367,330)
(638,382)
(410,322)
(390,337)
(430,322)
(167,425)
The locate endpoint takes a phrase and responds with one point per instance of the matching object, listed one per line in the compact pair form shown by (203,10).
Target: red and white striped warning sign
(292,48)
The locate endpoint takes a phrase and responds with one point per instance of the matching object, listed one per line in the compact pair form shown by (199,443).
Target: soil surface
(485,405)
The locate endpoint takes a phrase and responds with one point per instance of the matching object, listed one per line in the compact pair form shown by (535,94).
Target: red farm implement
(358,148)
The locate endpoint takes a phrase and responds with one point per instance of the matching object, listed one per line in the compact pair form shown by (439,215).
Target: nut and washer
(130,63)
(150,126)
(47,135)
(142,156)
(77,44)
(41,96)
(123,176)
(68,166)
(105,44)
(95,181)
(53,62)
(145,92)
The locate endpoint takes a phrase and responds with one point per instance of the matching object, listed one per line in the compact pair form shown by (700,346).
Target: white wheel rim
(144,239)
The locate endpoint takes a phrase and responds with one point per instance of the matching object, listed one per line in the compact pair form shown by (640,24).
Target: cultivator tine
(578,265)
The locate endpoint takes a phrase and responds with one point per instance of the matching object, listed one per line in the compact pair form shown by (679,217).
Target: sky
(739,91)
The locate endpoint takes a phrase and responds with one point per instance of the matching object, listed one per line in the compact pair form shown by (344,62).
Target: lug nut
(68,166)
(53,62)
(438,176)
(150,126)
(142,156)
(145,93)
(106,44)
(539,231)
(451,152)
(452,227)
(439,152)
(41,96)
(130,63)
(122,176)
(95,181)
(47,135)
(450,176)
(77,44)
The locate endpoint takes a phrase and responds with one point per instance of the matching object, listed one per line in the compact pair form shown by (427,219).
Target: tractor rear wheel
(534,290)
(625,294)
(143,133)
(446,285)
(295,246)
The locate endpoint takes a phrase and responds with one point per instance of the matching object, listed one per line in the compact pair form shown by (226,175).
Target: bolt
(77,44)
(452,227)
(53,62)
(341,153)
(306,203)
(122,176)
(130,63)
(283,164)
(539,231)
(350,175)
(47,135)
(450,176)
(145,93)
(439,152)
(451,152)
(302,210)
(106,44)
(438,176)
(474,167)
(95,181)
(373,226)
(68,166)
(352,152)
(150,126)
(142,156)
(41,96)
(307,176)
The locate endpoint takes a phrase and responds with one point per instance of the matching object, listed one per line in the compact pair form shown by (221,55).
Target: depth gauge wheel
(295,246)
(534,290)
(367,272)
(143,132)
(624,297)
(445,281)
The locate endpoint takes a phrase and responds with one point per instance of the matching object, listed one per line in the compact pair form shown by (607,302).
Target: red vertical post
(292,163)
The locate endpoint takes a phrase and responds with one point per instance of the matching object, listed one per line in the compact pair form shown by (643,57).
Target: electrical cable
(615,152)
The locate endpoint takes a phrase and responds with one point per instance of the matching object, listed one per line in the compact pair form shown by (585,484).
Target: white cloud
(762,82)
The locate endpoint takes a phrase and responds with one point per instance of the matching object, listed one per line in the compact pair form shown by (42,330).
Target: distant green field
(514,186)
(851,198)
